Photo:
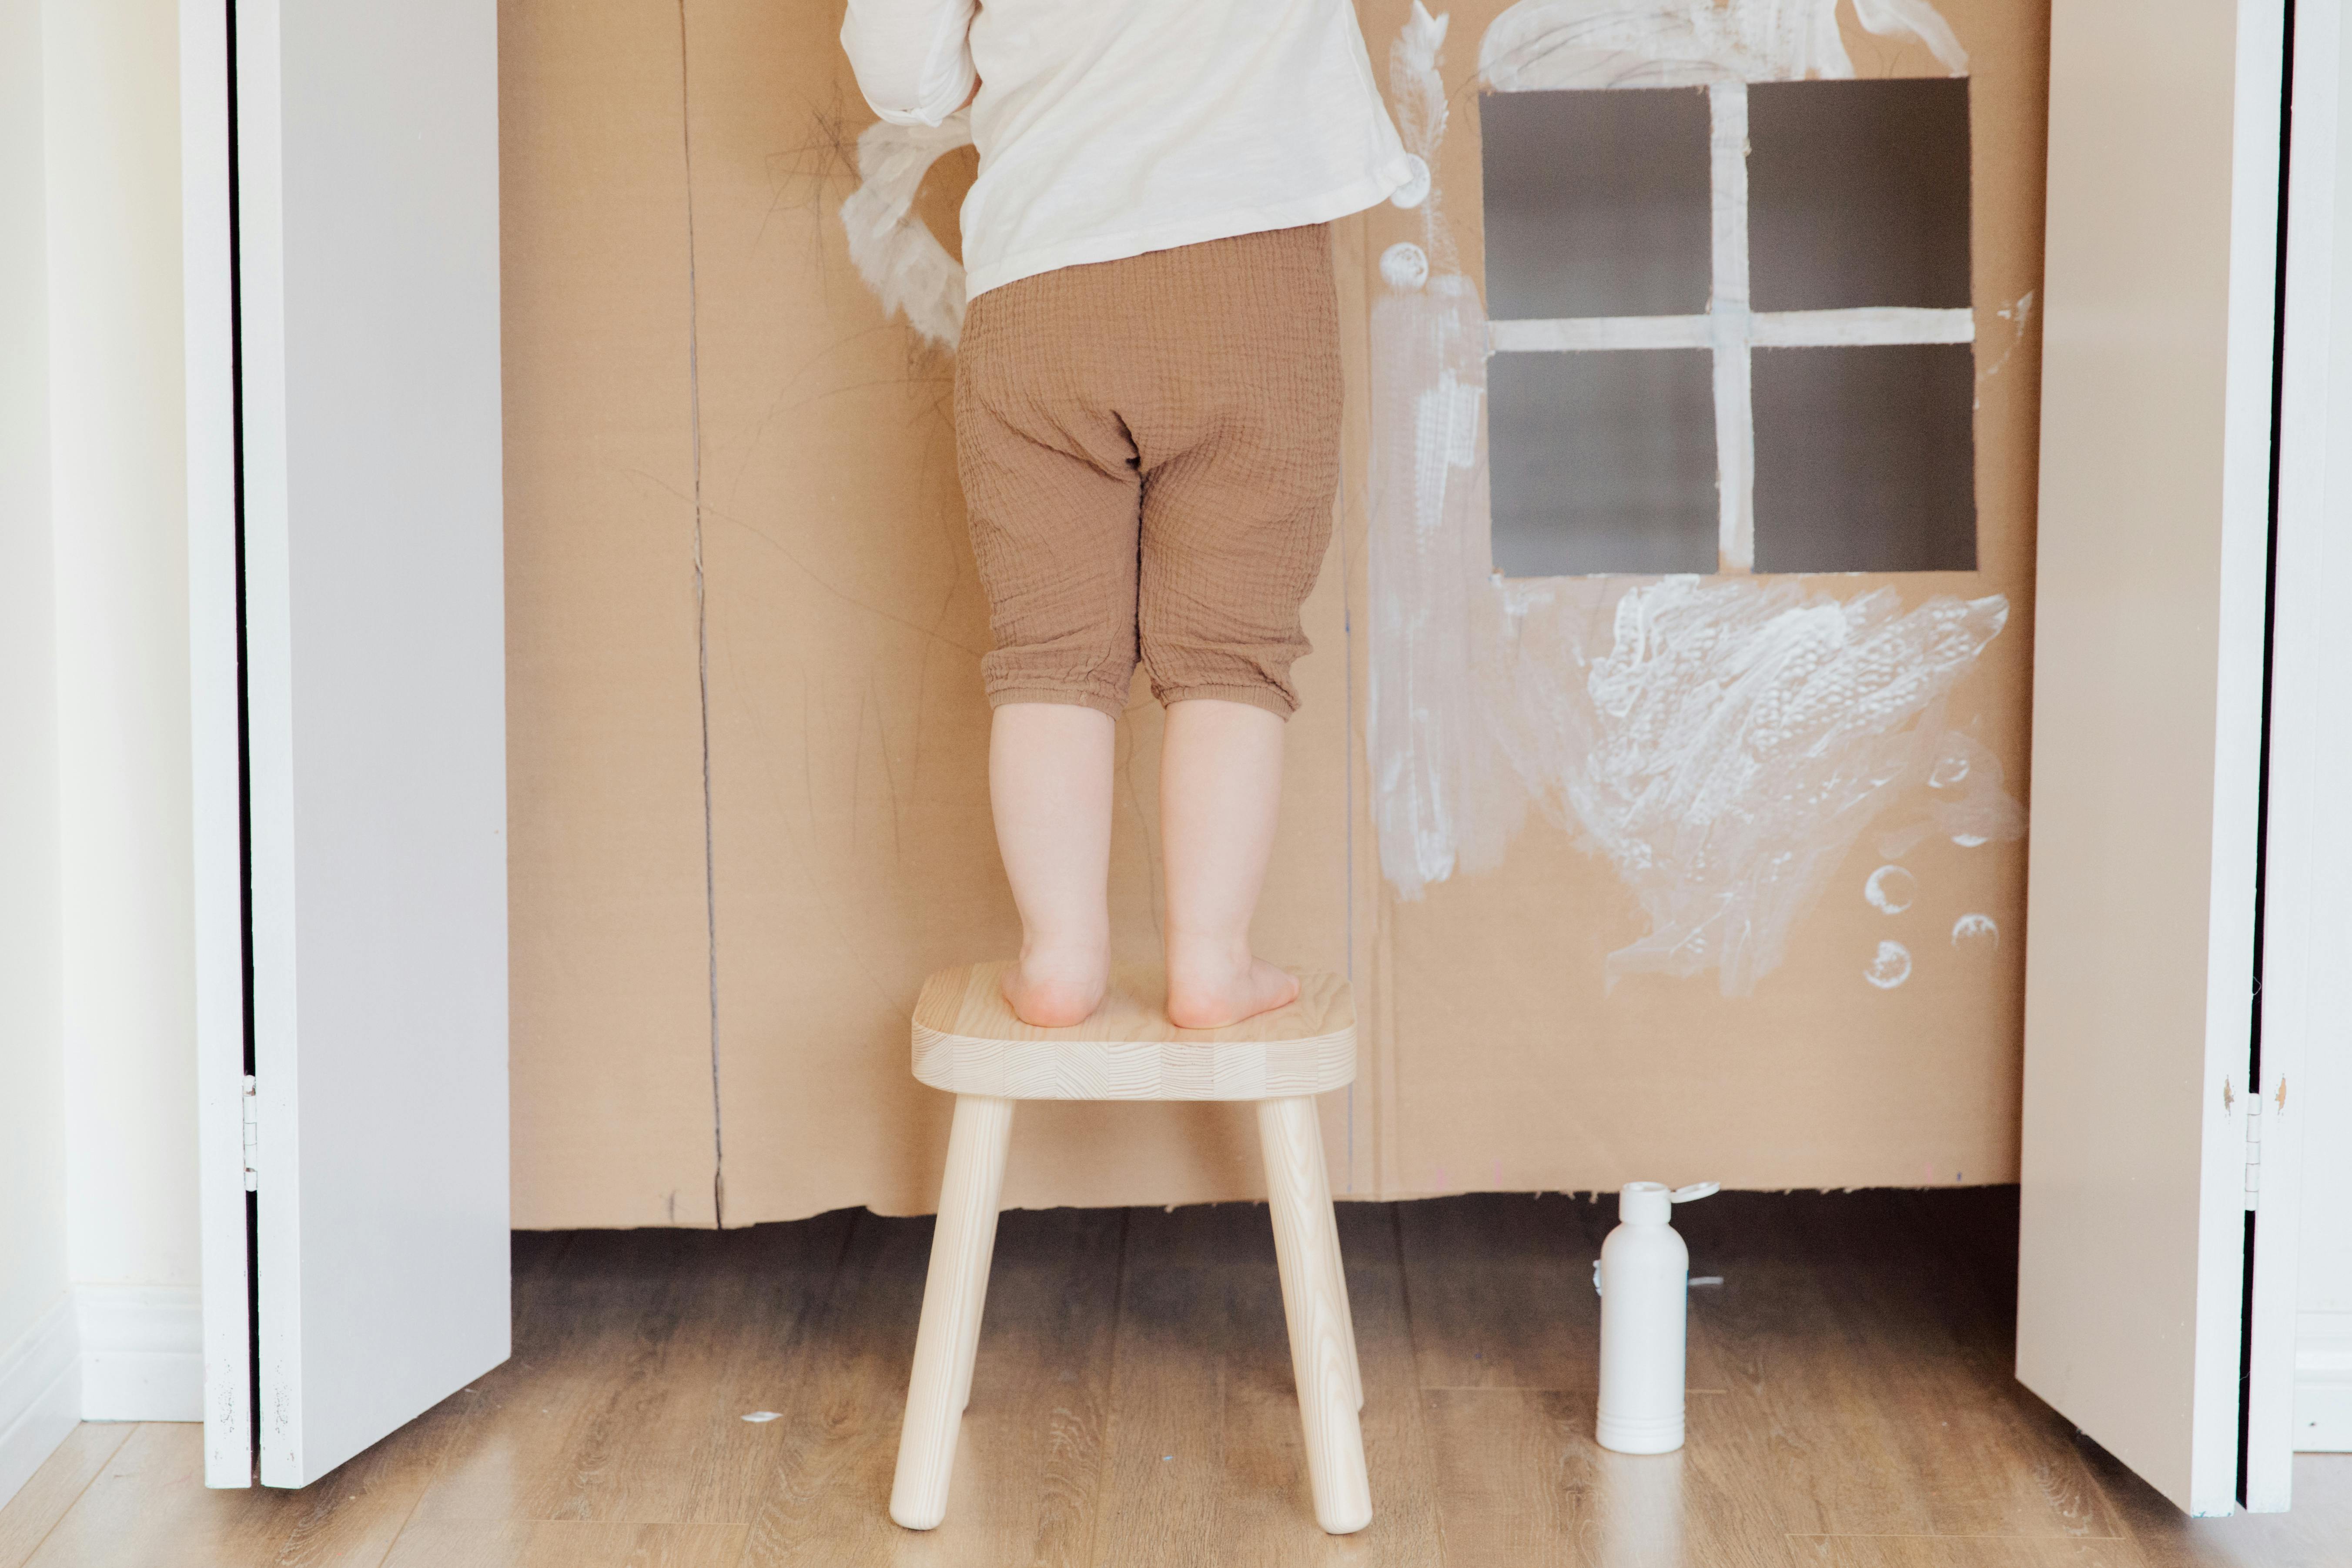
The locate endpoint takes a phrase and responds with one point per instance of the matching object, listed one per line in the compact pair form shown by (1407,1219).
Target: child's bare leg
(1049,782)
(1220,787)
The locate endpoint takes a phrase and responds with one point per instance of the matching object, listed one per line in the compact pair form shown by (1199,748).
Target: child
(1147,427)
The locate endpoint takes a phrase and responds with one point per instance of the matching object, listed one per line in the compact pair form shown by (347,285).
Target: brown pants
(1150,449)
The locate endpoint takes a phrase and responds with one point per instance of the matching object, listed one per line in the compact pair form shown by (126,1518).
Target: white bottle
(1644,1277)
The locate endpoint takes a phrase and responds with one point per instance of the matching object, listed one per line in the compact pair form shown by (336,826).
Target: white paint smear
(1722,742)
(1976,928)
(1727,314)
(1891,968)
(1728,747)
(1540,43)
(1600,44)
(1415,189)
(758,1418)
(896,253)
(1404,266)
(1443,793)
(2019,316)
(1890,890)
(1967,801)
(1766,329)
(1862,325)
(1603,333)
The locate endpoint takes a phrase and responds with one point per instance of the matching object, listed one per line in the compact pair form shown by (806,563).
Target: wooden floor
(1851,1405)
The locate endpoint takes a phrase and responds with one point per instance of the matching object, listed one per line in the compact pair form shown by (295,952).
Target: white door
(342,329)
(2307,1019)
(2161,1128)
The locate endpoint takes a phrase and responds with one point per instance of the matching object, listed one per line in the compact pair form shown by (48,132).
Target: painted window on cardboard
(1731,328)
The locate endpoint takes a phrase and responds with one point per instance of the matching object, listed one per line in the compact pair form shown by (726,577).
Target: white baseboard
(40,1396)
(143,1351)
(2323,1383)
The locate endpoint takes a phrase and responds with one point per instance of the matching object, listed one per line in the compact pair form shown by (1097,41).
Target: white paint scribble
(2019,316)
(1404,265)
(1891,968)
(1415,189)
(1540,43)
(1920,19)
(1976,928)
(1444,794)
(1724,742)
(897,256)
(1603,44)
(1967,801)
(1890,890)
(1417,105)
(1729,746)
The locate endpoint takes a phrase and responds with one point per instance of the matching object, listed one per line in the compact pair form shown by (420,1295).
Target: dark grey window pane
(1602,462)
(1596,203)
(1858,194)
(1865,458)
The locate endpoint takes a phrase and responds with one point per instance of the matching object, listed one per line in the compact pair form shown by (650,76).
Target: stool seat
(967,1041)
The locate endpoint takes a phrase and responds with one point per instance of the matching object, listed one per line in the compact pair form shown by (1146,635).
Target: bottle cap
(1644,1203)
(1653,1203)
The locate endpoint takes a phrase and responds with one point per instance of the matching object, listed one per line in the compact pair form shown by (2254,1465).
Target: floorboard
(619,1404)
(2315,1534)
(563,1543)
(1164,1468)
(149,1506)
(1029,1459)
(51,1490)
(1501,1288)
(1852,1406)
(828,1478)
(1857,1371)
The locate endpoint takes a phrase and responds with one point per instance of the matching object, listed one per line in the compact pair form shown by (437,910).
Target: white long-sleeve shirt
(1108,128)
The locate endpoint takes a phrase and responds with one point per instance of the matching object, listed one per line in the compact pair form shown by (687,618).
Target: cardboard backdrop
(749,793)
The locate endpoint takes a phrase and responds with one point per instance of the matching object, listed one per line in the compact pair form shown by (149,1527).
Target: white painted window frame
(1732,331)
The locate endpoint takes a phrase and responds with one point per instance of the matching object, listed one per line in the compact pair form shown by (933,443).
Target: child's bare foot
(1209,992)
(1054,990)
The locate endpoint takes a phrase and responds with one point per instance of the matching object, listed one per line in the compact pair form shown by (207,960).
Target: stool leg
(1347,1307)
(953,1292)
(1314,1300)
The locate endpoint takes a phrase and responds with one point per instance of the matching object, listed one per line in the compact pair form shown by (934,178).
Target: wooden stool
(968,1042)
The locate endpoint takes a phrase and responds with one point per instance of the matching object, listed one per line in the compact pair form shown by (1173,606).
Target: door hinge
(2254,1150)
(252,1137)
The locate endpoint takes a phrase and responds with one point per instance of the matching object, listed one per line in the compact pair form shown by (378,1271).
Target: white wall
(118,482)
(40,1391)
(2323,1406)
(98,1314)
